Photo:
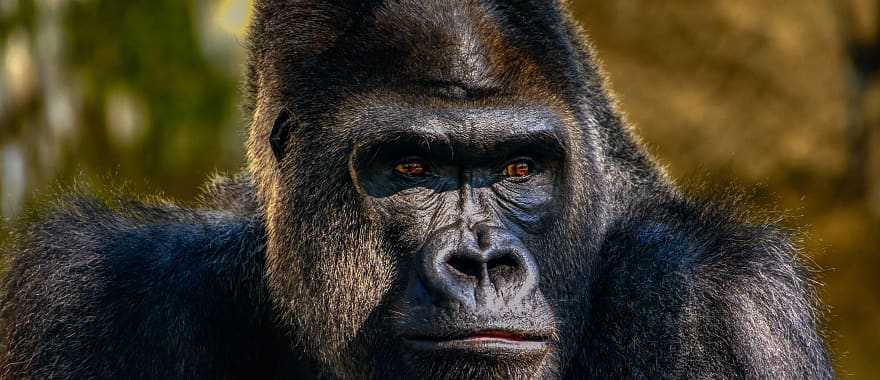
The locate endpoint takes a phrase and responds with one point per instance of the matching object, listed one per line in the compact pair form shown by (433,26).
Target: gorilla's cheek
(329,286)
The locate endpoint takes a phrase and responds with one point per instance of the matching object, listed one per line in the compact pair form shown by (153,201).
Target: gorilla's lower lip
(482,341)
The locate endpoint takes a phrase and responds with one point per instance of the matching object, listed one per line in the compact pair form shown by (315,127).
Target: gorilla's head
(432,175)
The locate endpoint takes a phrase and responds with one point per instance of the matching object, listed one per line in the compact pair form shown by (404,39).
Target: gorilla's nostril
(466,266)
(505,267)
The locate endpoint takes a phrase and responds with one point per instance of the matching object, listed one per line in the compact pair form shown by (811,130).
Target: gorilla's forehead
(471,126)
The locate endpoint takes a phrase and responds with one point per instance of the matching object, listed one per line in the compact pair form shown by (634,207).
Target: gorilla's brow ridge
(502,143)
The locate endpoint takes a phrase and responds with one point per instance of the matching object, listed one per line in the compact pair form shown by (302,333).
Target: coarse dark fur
(313,263)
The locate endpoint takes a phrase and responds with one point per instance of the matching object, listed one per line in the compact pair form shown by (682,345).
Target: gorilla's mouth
(492,342)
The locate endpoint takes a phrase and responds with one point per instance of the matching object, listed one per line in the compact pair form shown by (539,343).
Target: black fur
(298,268)
(134,290)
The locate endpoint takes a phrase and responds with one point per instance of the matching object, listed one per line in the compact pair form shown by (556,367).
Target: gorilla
(434,189)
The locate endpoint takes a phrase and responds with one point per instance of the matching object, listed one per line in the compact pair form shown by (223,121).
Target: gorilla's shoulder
(82,235)
(670,265)
(93,281)
(702,238)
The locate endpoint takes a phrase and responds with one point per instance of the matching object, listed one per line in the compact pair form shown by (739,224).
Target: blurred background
(779,98)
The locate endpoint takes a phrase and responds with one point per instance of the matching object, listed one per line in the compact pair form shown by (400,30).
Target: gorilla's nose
(481,273)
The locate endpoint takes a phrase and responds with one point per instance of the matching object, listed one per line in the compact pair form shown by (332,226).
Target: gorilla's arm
(689,291)
(131,290)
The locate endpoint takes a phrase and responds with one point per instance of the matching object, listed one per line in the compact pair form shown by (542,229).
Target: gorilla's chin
(480,363)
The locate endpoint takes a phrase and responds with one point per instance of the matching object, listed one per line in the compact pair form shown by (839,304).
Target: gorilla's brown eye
(412,167)
(518,169)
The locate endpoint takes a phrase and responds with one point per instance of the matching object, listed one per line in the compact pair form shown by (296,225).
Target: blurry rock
(755,86)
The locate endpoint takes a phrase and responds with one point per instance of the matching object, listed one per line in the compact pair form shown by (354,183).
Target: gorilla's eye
(414,167)
(518,169)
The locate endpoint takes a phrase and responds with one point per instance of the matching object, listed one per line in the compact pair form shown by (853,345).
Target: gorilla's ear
(280,132)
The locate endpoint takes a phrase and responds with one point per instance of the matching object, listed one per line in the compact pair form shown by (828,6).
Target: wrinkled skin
(435,189)
(471,239)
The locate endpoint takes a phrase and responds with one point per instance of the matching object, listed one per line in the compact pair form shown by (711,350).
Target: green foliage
(152,48)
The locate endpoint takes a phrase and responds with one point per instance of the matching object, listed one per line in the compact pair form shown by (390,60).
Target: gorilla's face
(465,196)
(442,250)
